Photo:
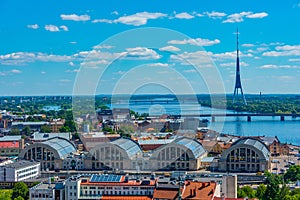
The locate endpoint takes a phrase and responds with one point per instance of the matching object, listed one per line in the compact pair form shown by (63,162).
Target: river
(287,131)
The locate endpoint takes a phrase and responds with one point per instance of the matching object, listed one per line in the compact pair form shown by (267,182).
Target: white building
(48,191)
(19,171)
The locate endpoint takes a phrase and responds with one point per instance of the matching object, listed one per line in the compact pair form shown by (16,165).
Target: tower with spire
(238,83)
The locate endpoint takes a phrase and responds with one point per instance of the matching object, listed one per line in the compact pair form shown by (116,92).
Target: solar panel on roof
(105,178)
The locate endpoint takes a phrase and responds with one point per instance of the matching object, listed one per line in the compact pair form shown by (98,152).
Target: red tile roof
(9,144)
(125,198)
(169,194)
(199,190)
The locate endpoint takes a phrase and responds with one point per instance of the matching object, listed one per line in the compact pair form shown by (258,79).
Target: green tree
(260,191)
(293,173)
(284,191)
(14,131)
(26,130)
(45,129)
(246,191)
(125,130)
(273,190)
(241,193)
(5,194)
(20,189)
(64,129)
(19,198)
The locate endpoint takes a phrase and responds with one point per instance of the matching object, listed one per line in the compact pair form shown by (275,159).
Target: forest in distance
(271,103)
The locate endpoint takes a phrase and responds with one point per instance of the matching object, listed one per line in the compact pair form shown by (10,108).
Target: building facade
(50,153)
(181,154)
(11,145)
(19,171)
(245,155)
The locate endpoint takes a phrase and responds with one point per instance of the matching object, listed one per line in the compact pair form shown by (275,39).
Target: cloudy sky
(58,47)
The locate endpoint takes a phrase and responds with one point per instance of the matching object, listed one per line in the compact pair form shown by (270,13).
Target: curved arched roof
(128,145)
(257,144)
(193,145)
(61,145)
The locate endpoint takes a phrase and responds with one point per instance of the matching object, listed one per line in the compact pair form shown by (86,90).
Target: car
(275,168)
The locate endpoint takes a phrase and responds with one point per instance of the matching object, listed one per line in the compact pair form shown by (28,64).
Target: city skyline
(45,44)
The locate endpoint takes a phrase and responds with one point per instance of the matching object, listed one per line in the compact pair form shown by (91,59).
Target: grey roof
(61,145)
(131,147)
(11,138)
(47,136)
(195,146)
(158,141)
(20,164)
(28,123)
(254,143)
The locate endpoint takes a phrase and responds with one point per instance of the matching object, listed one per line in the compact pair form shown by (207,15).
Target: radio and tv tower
(238,83)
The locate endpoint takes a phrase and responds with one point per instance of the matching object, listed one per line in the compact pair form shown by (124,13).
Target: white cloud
(108,21)
(104,46)
(233,64)
(184,15)
(51,28)
(257,15)
(11,72)
(199,58)
(288,47)
(72,71)
(141,53)
(279,67)
(215,15)
(115,13)
(282,53)
(159,65)
(136,19)
(71,64)
(63,27)
(33,26)
(197,42)
(236,17)
(20,58)
(15,71)
(248,45)
(294,60)
(74,17)
(190,71)
(230,55)
(169,48)
(239,17)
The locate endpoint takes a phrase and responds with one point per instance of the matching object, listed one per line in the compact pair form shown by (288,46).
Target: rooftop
(46,136)
(195,146)
(11,138)
(20,164)
(131,147)
(28,123)
(61,145)
(158,141)
(254,143)
(9,144)
(199,190)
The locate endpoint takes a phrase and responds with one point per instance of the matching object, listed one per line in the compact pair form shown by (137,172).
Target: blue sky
(49,47)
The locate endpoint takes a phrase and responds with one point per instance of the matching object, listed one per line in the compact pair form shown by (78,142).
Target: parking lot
(279,164)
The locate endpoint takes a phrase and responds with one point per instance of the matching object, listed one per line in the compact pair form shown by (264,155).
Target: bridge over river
(248,115)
